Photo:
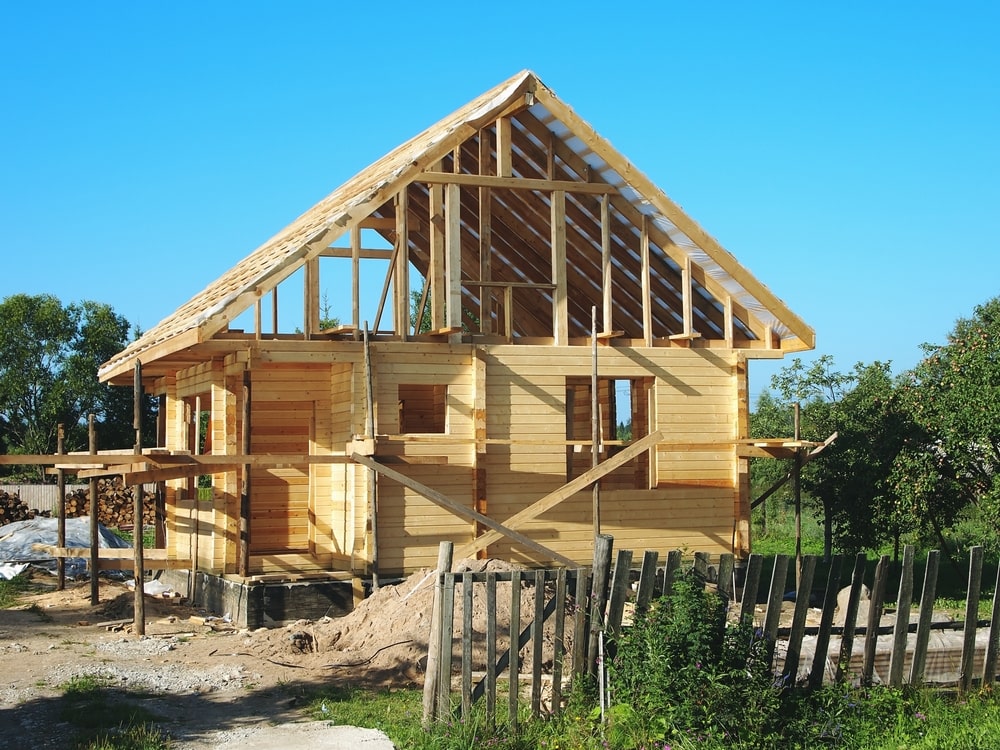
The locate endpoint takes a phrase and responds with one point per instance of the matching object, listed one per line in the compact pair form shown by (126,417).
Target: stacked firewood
(13,508)
(115,504)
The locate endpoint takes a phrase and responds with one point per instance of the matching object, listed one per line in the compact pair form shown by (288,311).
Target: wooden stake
(61,523)
(95,595)
(244,550)
(372,476)
(139,622)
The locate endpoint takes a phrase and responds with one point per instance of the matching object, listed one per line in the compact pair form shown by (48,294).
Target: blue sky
(846,153)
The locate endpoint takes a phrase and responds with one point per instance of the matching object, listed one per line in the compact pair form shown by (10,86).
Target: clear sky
(848,154)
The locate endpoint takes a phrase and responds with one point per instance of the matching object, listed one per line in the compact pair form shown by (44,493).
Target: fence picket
(491,647)
(647,581)
(802,594)
(971,616)
(558,645)
(851,617)
(536,644)
(751,585)
(779,576)
(514,650)
(902,626)
(874,616)
(826,622)
(466,643)
(927,596)
(990,657)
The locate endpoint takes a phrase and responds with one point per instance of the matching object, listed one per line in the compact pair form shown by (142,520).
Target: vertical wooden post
(514,664)
(927,595)
(491,646)
(851,617)
(971,616)
(595,423)
(790,671)
(95,596)
(444,663)
(61,522)
(990,659)
(606,267)
(580,642)
(244,550)
(372,476)
(874,617)
(598,596)
(467,597)
(558,634)
(751,583)
(902,627)
(647,581)
(797,492)
(445,552)
(536,644)
(560,310)
(826,622)
(139,574)
(775,596)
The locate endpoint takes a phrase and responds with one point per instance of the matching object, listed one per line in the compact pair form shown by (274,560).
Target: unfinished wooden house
(543,316)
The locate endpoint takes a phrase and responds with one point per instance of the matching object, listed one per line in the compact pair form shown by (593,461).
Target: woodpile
(115,504)
(13,508)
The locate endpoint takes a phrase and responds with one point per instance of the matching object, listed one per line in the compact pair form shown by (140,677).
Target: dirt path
(214,686)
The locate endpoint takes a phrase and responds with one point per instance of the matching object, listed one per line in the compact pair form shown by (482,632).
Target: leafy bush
(680,671)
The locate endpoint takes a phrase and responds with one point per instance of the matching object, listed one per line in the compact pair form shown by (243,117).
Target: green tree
(953,395)
(850,483)
(49,357)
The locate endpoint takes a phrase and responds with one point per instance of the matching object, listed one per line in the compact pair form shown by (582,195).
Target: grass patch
(108,719)
(11,591)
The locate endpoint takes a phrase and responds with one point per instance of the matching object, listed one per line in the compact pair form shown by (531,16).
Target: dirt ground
(216,686)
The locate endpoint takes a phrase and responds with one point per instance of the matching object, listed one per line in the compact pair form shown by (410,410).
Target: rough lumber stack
(115,504)
(12,508)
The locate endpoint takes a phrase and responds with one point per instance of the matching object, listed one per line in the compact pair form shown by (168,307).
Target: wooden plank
(558,644)
(560,295)
(438,498)
(775,596)
(515,183)
(902,626)
(798,629)
(445,556)
(826,622)
(467,596)
(491,646)
(990,658)
(513,650)
(537,623)
(570,488)
(647,581)
(619,593)
(971,617)
(924,618)
(875,605)
(751,582)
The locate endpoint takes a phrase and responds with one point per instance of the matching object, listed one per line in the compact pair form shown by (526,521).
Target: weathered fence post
(990,658)
(927,596)
(515,648)
(971,616)
(851,616)
(802,594)
(826,622)
(902,627)
(874,617)
(445,552)
(751,583)
(647,581)
(772,617)
(598,596)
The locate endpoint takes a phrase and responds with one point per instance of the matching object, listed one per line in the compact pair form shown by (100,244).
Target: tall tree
(850,482)
(954,397)
(49,357)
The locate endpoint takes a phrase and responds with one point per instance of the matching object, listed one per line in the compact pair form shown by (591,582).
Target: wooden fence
(837,641)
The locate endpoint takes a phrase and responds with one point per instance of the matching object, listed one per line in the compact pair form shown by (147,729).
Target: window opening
(422,408)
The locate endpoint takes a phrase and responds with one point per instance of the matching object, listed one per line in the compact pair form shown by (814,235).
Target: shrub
(680,672)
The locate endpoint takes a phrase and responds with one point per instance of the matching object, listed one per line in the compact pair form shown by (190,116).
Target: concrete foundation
(259,604)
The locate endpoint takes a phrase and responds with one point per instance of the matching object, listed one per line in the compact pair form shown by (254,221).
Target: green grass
(107,718)
(11,591)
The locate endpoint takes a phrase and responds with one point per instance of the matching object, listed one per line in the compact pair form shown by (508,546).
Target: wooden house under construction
(545,317)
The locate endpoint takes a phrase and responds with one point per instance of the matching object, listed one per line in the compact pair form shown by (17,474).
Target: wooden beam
(485,237)
(401,280)
(436,270)
(453,256)
(516,183)
(365,253)
(560,296)
(460,510)
(647,289)
(503,148)
(606,280)
(356,279)
(567,490)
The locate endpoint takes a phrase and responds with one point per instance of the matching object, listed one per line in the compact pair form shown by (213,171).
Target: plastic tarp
(17,541)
